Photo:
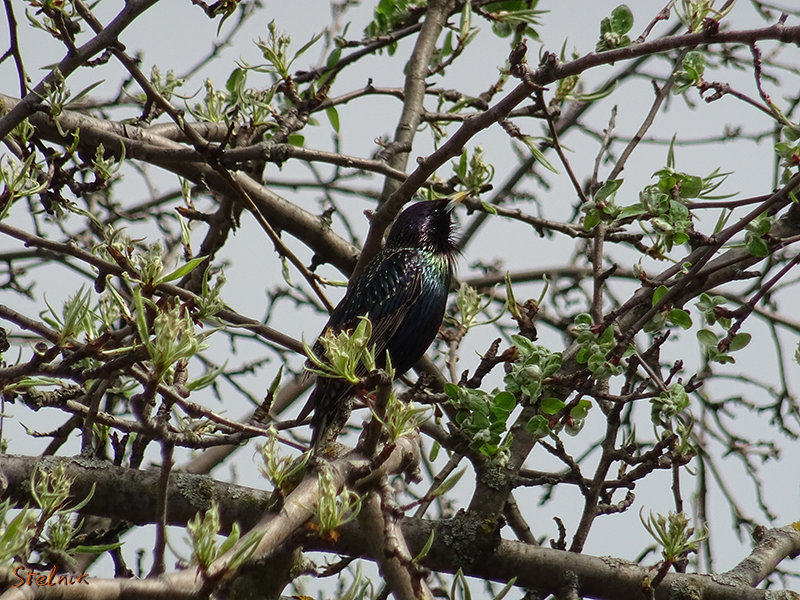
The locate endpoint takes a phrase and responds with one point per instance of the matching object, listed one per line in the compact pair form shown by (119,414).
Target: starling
(403,291)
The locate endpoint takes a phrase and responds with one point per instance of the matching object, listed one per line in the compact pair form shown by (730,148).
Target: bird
(403,291)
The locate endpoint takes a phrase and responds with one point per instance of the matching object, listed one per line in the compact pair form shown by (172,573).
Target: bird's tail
(331,401)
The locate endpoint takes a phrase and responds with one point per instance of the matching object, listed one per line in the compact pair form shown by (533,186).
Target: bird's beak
(455,199)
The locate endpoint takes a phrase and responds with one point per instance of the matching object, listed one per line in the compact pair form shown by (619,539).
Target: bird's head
(427,225)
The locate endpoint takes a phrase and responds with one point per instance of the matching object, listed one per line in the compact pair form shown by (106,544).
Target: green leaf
(488,208)
(791,133)
(607,189)
(295,139)
(236,81)
(448,483)
(210,376)
(596,362)
(463,165)
(551,406)
(694,63)
(75,99)
(510,584)
(435,448)
(426,548)
(690,186)
(13,529)
(538,156)
(82,503)
(621,19)
(182,270)
(739,341)
(285,272)
(231,540)
(591,220)
(505,401)
(659,293)
(656,324)
(523,344)
(607,337)
(605,26)
(98,549)
(333,117)
(581,409)
(466,20)
(757,246)
(334,57)
(308,45)
(538,426)
(598,95)
(707,337)
(681,318)
(635,210)
(760,225)
(784,149)
(244,550)
(451,389)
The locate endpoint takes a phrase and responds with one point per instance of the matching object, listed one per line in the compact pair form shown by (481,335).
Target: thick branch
(772,547)
(534,567)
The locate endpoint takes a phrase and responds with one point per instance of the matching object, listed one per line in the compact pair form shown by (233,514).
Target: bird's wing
(385,291)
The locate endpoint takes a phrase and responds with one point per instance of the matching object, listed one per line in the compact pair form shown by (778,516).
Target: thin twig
(557,146)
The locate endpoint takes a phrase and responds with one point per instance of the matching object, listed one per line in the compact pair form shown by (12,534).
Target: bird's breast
(421,324)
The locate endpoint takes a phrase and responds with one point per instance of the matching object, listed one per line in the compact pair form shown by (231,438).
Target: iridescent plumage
(403,290)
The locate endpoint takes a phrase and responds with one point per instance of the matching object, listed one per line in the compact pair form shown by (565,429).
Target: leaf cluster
(667,315)
(401,418)
(50,527)
(202,538)
(663,204)
(534,365)
(673,533)
(335,507)
(595,346)
(345,355)
(614,29)
(691,74)
(483,418)
(717,346)
(514,17)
